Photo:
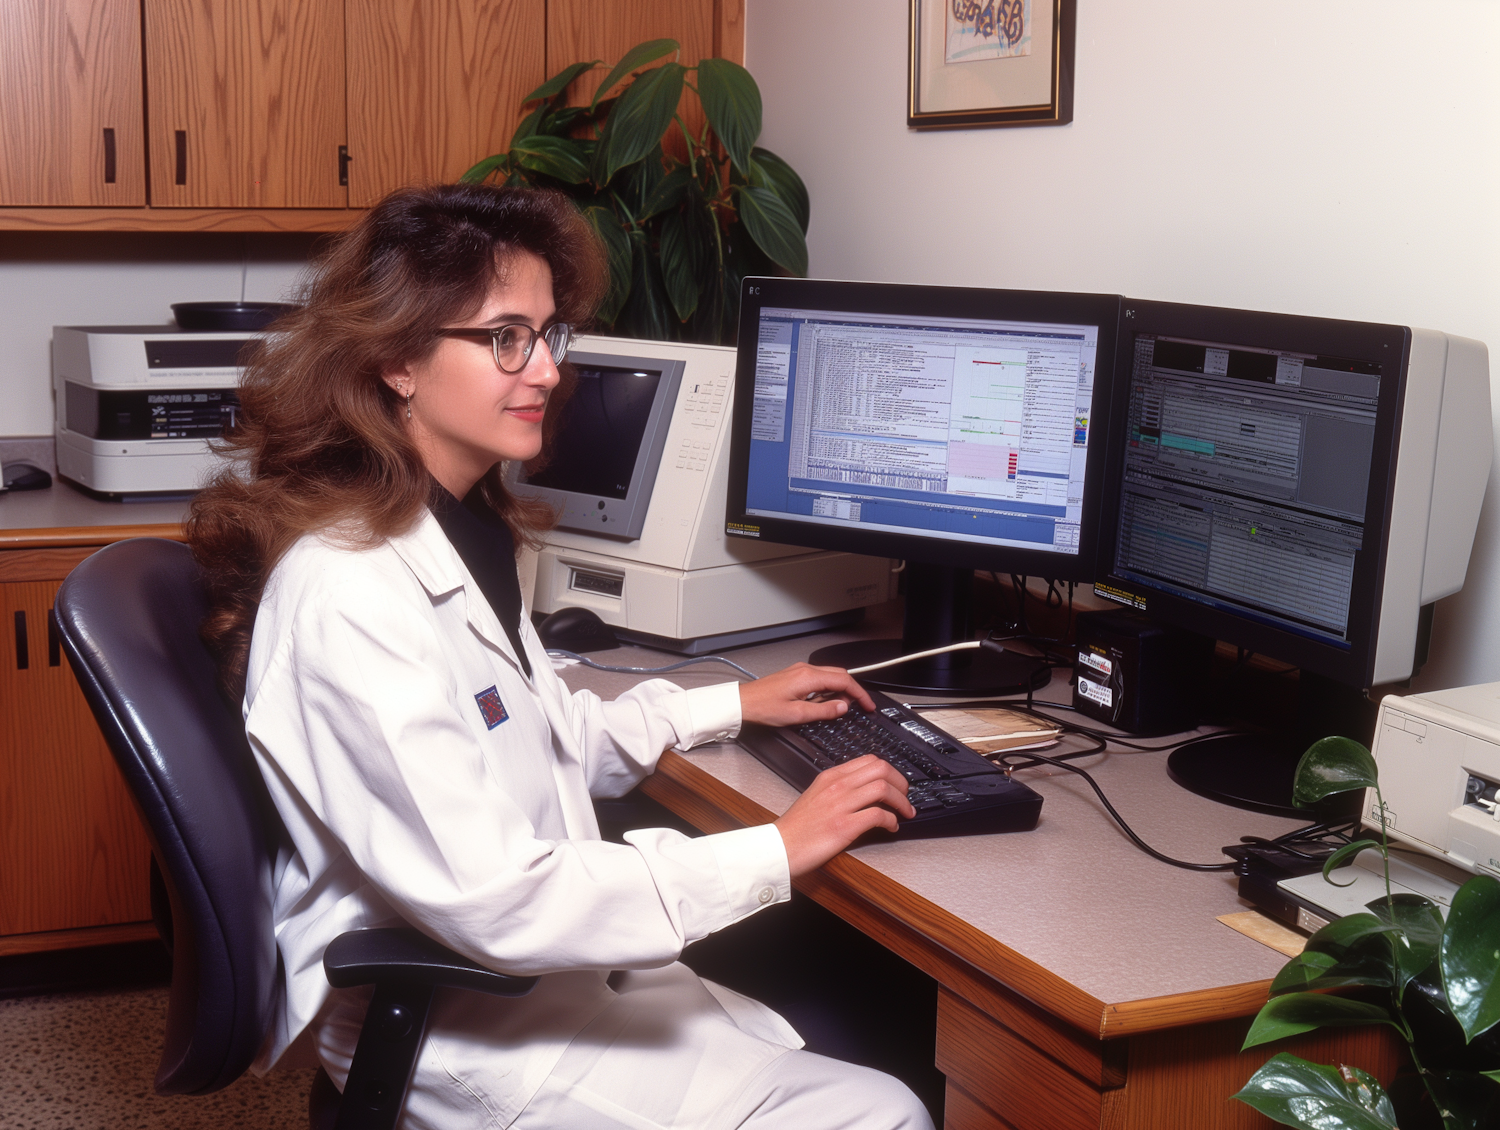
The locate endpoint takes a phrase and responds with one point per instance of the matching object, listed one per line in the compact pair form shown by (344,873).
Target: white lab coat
(366,706)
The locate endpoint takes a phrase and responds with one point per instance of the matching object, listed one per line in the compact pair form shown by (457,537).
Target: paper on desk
(991,729)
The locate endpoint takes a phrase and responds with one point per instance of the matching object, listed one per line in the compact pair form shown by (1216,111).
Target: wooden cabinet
(261,110)
(247,103)
(70,103)
(73,853)
(434,87)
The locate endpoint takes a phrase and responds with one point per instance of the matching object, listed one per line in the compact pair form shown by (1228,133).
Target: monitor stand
(938,599)
(1256,771)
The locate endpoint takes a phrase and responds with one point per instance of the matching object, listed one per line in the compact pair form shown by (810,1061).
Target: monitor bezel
(605,515)
(1101,310)
(1353,666)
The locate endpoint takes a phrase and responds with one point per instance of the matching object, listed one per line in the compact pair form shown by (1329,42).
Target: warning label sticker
(1095,693)
(1097,662)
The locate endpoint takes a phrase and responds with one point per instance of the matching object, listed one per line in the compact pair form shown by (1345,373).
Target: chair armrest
(364,957)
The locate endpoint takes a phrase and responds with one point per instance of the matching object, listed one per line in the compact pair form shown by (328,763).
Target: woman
(426,761)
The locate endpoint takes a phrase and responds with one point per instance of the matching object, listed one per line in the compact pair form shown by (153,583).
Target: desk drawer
(1008,1075)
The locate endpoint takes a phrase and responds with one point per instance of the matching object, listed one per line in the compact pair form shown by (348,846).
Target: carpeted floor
(85,1061)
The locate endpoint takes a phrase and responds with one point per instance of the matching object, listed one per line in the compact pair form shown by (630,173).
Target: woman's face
(466,414)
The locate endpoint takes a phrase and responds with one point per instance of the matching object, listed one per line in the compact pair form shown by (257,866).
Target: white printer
(1439,759)
(137,405)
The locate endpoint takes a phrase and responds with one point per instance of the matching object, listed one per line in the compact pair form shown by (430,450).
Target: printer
(137,405)
(1438,754)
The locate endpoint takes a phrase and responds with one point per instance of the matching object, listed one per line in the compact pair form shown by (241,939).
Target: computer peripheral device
(637,477)
(1138,675)
(957,429)
(1302,488)
(576,629)
(26,476)
(954,790)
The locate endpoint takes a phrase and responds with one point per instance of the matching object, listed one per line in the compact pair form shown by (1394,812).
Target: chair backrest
(128,617)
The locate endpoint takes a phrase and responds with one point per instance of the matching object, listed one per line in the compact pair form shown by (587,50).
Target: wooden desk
(1083,984)
(73,854)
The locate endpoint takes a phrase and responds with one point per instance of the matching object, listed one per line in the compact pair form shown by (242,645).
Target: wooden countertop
(1071,917)
(63,516)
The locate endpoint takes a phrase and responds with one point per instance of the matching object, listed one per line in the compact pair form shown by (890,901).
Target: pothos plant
(681,233)
(1436,983)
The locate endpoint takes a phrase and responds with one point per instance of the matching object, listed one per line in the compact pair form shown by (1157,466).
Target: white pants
(669,1052)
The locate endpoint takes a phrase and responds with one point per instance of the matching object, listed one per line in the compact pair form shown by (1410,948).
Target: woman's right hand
(842,804)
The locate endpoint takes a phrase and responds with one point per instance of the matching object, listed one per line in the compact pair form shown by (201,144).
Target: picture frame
(978,63)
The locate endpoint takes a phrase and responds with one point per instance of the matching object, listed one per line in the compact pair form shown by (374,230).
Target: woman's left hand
(801,693)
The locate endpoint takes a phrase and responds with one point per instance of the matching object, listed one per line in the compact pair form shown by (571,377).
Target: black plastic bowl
(229,315)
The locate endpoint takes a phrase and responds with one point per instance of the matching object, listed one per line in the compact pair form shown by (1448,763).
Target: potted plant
(1436,983)
(683,225)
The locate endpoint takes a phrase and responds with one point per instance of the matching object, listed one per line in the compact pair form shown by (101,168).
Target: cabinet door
(435,85)
(70,103)
(247,103)
(73,852)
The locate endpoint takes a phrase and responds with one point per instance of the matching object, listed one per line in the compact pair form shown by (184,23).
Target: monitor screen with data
(938,424)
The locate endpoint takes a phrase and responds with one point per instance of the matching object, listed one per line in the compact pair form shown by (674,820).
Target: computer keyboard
(954,790)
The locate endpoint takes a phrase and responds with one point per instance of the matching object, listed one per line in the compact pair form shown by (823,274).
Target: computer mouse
(26,476)
(576,629)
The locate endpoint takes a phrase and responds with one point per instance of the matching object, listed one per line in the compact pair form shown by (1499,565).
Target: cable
(1126,828)
(650,670)
(966,645)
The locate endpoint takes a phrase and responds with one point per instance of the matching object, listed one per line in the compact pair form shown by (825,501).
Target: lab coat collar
(432,559)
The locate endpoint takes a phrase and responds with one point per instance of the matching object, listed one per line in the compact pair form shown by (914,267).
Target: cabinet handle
(181,157)
(344,160)
(109,156)
(23,652)
(54,641)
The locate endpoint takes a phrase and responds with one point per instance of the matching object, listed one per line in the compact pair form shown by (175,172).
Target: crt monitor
(608,446)
(957,429)
(1302,488)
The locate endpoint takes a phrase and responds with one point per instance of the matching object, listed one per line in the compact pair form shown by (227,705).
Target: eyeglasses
(512,345)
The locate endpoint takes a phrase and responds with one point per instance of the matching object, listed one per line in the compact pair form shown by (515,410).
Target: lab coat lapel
(431,557)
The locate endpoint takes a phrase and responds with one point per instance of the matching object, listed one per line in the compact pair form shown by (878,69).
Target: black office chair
(128,617)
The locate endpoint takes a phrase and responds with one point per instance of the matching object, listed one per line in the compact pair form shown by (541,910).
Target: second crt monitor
(638,480)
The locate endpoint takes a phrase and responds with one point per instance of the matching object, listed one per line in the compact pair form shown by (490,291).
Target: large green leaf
(636,184)
(1470,955)
(1346,853)
(617,244)
(560,81)
(637,57)
(678,266)
(1418,933)
(668,192)
(1294,1092)
(1352,950)
(639,119)
(772,226)
(731,100)
(648,312)
(564,120)
(530,124)
(1295,1013)
(769,169)
(558,157)
(477,174)
(1332,765)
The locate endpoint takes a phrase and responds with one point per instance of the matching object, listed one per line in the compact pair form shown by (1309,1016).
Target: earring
(408,404)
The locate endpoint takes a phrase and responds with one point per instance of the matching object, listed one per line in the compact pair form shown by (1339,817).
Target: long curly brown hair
(320,440)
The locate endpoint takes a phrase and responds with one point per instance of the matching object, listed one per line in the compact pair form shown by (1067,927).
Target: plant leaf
(783,178)
(1294,1092)
(647,312)
(772,226)
(1418,933)
(617,244)
(639,119)
(560,81)
(560,123)
(669,192)
(479,173)
(558,157)
(1347,852)
(637,57)
(1302,1012)
(1470,955)
(530,124)
(1332,765)
(678,266)
(731,100)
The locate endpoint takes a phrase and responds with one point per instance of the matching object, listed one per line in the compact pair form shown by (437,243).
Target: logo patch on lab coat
(491,707)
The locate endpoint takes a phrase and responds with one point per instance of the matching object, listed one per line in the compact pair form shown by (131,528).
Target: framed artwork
(991,63)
